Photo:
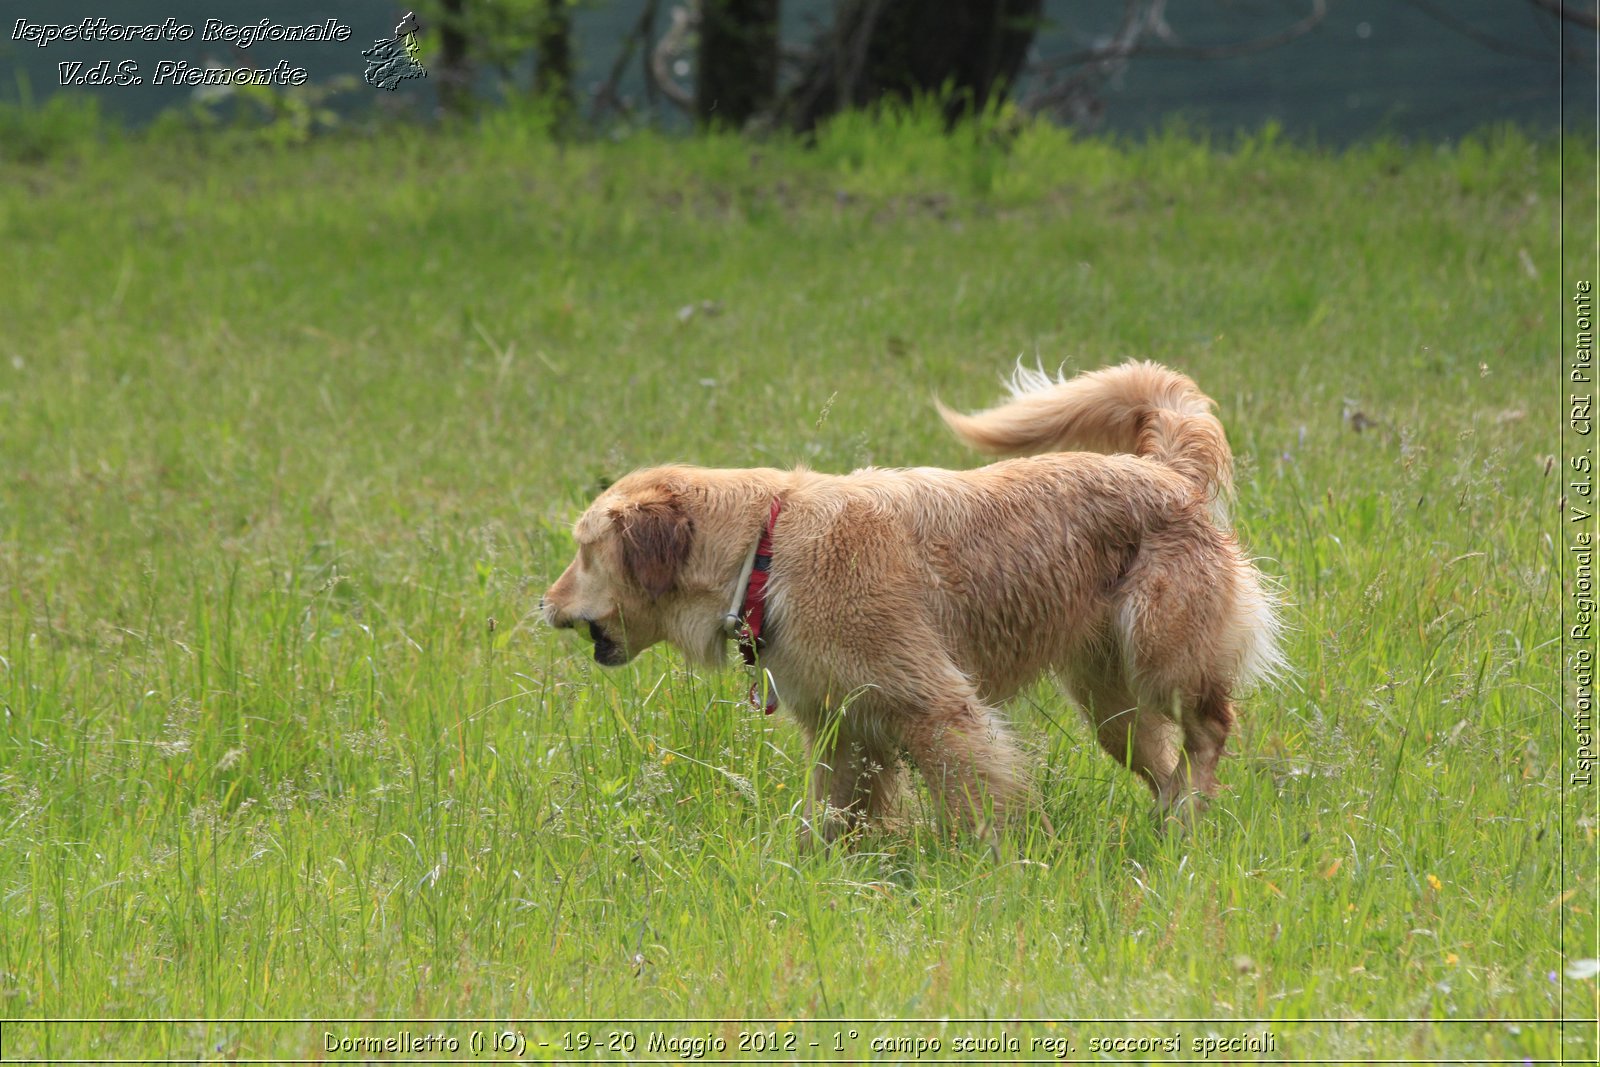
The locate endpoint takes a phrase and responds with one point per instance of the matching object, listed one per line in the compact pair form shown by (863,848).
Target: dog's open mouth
(607,652)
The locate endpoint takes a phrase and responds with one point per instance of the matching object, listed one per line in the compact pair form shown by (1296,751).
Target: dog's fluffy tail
(1140,408)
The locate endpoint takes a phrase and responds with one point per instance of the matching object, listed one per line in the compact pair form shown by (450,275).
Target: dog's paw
(829,828)
(1180,817)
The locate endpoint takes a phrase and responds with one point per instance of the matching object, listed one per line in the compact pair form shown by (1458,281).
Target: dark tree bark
(455,68)
(1589,18)
(552,72)
(970,51)
(737,76)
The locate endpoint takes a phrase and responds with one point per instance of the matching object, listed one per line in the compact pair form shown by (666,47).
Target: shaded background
(1413,69)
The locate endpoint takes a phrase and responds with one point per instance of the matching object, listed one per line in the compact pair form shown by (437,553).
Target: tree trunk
(552,73)
(455,68)
(737,76)
(966,53)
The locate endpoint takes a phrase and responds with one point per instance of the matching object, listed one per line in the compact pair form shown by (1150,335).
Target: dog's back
(1140,408)
(1147,410)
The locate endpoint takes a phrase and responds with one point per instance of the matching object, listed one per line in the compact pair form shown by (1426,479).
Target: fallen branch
(673,43)
(606,95)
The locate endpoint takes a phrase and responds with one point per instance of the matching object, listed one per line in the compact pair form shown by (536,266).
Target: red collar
(747,624)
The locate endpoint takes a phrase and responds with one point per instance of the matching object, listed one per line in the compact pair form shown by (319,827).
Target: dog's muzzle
(607,651)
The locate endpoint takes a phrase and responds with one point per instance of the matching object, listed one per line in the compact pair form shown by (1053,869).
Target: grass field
(290,443)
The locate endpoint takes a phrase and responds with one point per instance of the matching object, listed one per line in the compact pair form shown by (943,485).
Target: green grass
(290,443)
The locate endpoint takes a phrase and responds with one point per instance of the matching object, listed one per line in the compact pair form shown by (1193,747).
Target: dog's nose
(552,616)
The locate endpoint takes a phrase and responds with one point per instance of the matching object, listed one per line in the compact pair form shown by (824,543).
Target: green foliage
(241,116)
(291,445)
(500,36)
(65,125)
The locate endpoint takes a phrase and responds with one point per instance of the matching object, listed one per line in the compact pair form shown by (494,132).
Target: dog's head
(627,583)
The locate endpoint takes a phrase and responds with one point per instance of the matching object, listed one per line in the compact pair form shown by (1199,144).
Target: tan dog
(905,605)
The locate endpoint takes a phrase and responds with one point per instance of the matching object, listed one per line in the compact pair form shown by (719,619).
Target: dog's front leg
(969,761)
(852,781)
(814,818)
(831,808)
(814,829)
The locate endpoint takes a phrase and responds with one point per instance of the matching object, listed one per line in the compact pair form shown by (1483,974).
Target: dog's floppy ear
(655,542)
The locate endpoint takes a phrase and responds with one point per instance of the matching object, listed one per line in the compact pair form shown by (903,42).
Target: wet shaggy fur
(905,606)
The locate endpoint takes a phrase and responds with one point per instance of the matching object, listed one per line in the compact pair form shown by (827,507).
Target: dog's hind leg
(1206,724)
(1141,739)
(1187,618)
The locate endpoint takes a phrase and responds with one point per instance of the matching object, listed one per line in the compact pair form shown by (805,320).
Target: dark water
(1374,67)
